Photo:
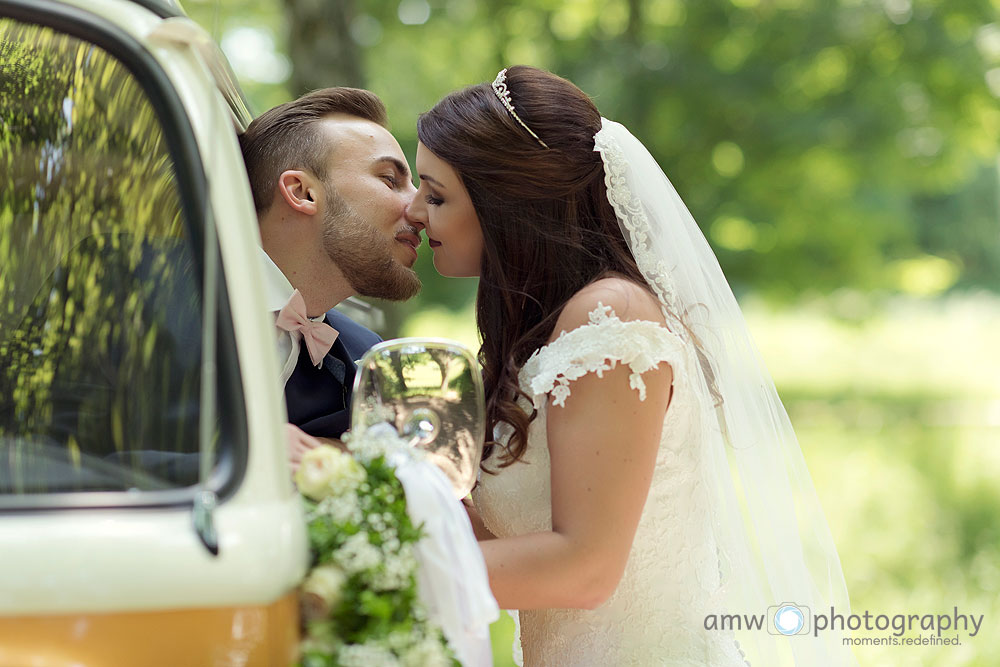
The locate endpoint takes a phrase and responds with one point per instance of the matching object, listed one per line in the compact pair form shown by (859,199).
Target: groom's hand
(299,442)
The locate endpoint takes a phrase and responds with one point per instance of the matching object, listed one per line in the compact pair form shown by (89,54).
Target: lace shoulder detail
(598,346)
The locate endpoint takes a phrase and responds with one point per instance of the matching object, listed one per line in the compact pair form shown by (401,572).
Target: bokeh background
(841,157)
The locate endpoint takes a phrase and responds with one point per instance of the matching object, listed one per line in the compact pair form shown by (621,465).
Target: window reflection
(99,300)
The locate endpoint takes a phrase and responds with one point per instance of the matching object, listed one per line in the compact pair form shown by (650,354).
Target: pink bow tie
(319,336)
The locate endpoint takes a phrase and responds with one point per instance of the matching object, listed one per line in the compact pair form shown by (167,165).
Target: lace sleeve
(596,347)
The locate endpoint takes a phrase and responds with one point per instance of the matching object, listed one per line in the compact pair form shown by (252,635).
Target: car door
(146,514)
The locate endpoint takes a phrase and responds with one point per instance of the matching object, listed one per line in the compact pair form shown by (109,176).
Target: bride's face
(442,205)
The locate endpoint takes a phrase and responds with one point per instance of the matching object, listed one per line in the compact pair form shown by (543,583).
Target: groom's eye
(390,179)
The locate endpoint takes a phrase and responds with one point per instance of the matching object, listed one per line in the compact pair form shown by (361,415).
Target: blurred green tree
(844,143)
(321,46)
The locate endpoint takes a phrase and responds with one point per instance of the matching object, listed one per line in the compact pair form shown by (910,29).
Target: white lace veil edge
(773,540)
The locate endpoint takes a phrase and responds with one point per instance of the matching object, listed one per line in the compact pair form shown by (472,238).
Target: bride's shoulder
(623,298)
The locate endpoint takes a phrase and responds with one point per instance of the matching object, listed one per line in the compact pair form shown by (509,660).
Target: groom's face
(368,187)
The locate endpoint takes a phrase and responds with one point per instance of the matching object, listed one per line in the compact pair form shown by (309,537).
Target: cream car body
(85,576)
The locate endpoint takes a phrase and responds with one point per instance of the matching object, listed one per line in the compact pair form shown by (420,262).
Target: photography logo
(788,619)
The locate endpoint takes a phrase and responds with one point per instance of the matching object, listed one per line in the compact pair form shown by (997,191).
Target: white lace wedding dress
(656,615)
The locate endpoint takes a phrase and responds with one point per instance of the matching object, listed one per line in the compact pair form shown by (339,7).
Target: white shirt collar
(277,289)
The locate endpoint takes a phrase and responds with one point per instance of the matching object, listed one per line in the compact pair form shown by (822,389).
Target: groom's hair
(287,137)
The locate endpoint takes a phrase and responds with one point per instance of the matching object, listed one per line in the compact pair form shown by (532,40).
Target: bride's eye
(433,201)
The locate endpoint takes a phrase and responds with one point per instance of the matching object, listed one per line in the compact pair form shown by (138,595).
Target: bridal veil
(773,540)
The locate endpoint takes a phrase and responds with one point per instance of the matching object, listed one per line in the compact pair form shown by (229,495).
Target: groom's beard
(364,255)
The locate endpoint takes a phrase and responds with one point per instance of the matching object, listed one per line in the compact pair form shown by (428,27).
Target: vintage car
(147,514)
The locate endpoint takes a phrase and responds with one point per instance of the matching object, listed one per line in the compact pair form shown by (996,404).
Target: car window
(100,302)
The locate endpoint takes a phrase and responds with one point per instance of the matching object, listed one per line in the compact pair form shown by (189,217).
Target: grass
(897,407)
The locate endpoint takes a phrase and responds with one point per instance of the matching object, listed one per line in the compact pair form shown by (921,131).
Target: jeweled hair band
(500,88)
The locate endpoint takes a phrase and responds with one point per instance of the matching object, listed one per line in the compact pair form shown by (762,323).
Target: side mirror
(431,391)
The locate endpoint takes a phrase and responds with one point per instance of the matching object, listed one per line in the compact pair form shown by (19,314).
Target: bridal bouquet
(359,601)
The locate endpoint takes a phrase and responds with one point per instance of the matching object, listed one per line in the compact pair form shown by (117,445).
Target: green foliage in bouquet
(360,602)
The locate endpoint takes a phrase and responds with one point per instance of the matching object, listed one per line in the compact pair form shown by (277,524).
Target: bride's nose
(416,212)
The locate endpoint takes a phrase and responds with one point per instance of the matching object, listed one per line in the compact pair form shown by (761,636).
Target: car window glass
(100,346)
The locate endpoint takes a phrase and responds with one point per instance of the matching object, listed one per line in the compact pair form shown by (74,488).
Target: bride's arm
(479,528)
(603,446)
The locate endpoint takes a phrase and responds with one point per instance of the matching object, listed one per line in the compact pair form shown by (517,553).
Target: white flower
(341,509)
(358,554)
(345,501)
(375,441)
(327,582)
(428,652)
(396,571)
(369,654)
(326,471)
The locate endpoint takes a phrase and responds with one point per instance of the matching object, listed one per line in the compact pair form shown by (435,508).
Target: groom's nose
(409,193)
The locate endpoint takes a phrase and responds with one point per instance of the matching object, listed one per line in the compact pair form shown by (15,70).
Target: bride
(644,481)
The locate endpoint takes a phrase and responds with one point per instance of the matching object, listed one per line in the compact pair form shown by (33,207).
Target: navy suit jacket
(319,399)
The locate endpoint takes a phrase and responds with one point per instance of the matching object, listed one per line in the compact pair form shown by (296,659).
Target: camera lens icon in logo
(788,619)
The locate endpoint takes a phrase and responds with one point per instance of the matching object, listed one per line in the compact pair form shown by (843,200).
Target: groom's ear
(299,190)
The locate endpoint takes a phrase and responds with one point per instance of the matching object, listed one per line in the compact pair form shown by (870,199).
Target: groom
(331,186)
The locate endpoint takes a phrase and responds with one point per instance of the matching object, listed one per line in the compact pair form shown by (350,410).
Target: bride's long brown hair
(548,227)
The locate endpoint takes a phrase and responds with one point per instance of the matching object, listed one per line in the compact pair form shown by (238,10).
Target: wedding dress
(671,581)
(732,524)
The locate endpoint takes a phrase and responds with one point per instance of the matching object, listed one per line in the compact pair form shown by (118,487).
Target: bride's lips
(432,243)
